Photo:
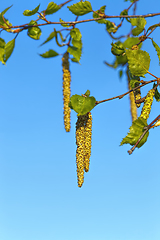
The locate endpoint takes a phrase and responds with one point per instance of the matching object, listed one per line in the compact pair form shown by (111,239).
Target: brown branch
(122,95)
(62,4)
(146,129)
(26,26)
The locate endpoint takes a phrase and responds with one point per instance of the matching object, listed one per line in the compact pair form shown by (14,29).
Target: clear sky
(39,197)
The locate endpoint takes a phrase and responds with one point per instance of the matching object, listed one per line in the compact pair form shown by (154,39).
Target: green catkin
(66,91)
(88,138)
(137,94)
(80,140)
(147,104)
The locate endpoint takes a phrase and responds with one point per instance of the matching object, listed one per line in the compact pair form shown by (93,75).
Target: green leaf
(129,0)
(138,62)
(81,8)
(64,24)
(51,36)
(75,52)
(51,8)
(87,93)
(1,55)
(111,27)
(117,48)
(135,132)
(49,54)
(5,10)
(5,25)
(74,60)
(153,26)
(31,12)
(120,74)
(76,34)
(34,32)
(82,105)
(100,13)
(77,44)
(139,23)
(131,41)
(124,12)
(8,49)
(157,94)
(157,49)
(2,43)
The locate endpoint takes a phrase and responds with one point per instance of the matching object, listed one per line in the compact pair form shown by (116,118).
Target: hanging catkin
(80,125)
(66,91)
(147,104)
(83,141)
(88,138)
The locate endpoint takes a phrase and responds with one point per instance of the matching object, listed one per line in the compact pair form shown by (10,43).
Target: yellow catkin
(66,91)
(80,140)
(88,138)
(147,104)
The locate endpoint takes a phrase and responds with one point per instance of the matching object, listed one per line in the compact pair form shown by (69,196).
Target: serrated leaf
(81,8)
(100,13)
(49,54)
(77,44)
(75,52)
(82,105)
(34,32)
(52,8)
(131,41)
(138,62)
(76,34)
(51,36)
(135,132)
(5,10)
(8,49)
(31,12)
(157,49)
(139,23)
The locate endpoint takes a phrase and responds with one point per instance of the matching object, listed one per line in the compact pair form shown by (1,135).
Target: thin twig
(145,131)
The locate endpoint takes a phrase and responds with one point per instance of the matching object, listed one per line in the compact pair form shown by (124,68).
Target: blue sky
(39,198)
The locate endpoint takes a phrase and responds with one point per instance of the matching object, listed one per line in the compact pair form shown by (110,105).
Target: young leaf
(117,48)
(81,8)
(34,32)
(51,36)
(75,34)
(139,23)
(8,49)
(31,12)
(131,41)
(135,132)
(111,27)
(2,43)
(100,13)
(75,52)
(77,44)
(153,26)
(5,24)
(63,24)
(157,49)
(138,61)
(82,105)
(5,10)
(51,8)
(49,54)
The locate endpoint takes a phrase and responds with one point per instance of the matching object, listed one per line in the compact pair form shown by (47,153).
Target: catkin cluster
(83,141)
(147,104)
(66,91)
